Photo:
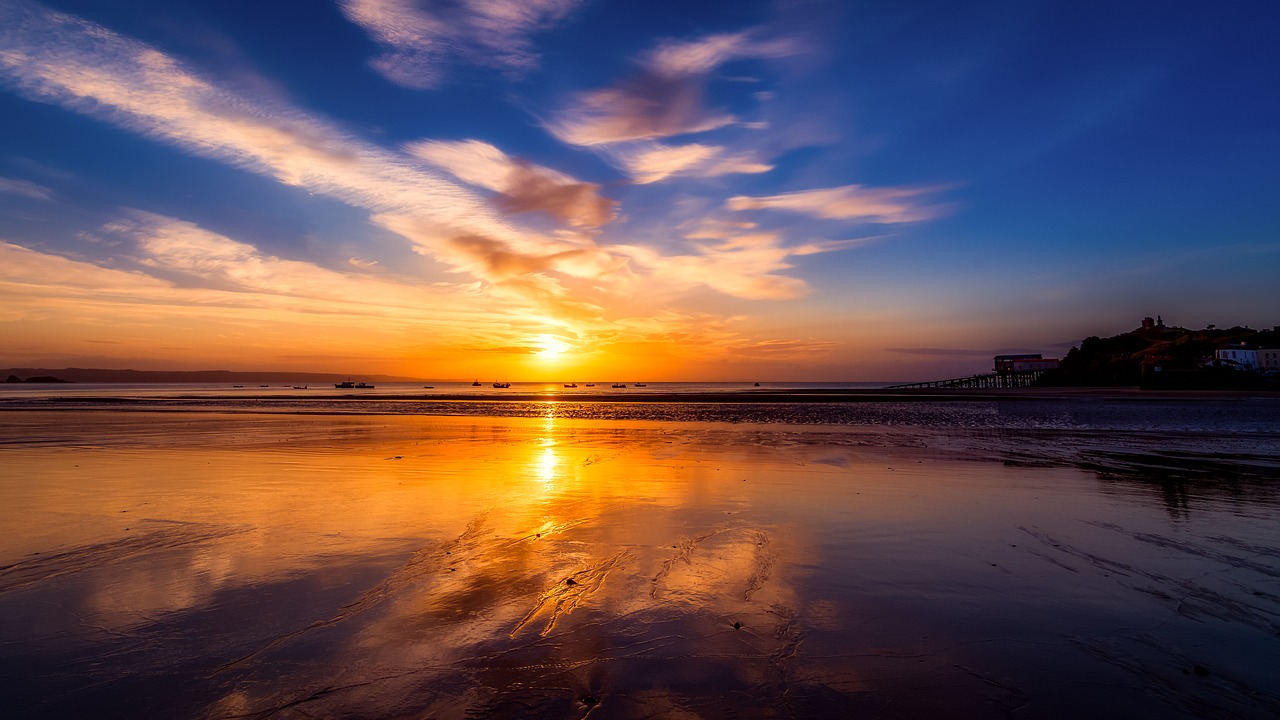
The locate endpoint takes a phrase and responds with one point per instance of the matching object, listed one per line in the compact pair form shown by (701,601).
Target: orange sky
(541,192)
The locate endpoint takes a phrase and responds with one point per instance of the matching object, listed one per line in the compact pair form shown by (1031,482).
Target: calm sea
(553,400)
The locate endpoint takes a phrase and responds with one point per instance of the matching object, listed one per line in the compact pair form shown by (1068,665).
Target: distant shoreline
(818,395)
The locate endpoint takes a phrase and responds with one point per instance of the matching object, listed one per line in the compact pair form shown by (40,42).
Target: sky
(606,189)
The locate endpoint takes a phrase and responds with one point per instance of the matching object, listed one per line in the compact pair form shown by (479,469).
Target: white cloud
(25,188)
(64,60)
(848,202)
(422,39)
(652,162)
(692,57)
(736,259)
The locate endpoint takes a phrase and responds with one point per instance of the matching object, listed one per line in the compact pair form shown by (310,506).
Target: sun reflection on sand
(546,465)
(456,567)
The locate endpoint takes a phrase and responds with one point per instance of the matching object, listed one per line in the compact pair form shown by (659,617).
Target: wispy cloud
(736,260)
(68,61)
(942,352)
(848,202)
(439,196)
(652,162)
(805,350)
(195,276)
(664,97)
(694,57)
(25,188)
(422,39)
(521,185)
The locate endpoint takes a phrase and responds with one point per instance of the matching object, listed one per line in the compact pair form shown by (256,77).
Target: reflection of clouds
(132,593)
(449,605)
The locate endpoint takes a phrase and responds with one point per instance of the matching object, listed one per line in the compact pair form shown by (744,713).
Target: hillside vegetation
(1184,357)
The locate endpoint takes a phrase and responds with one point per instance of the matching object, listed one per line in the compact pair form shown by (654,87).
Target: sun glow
(551,347)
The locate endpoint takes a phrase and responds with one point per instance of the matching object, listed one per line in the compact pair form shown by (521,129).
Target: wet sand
(209,565)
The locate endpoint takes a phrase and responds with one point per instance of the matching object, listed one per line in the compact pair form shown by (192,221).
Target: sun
(551,347)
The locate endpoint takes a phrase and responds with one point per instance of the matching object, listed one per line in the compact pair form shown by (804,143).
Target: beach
(912,559)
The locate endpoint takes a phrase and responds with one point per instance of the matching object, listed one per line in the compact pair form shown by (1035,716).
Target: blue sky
(566,188)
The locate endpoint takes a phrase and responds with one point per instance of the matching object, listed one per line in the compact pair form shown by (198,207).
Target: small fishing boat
(571,385)
(591,384)
(299,387)
(429,387)
(349,385)
(502,384)
(475,384)
(619,385)
(641,385)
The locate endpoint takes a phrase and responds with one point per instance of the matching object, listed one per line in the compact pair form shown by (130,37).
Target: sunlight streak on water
(382,565)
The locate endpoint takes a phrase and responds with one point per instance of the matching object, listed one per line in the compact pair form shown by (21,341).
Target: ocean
(215,552)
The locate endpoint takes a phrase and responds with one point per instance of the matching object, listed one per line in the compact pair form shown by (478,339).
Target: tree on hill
(1119,360)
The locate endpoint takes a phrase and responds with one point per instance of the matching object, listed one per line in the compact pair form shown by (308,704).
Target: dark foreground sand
(193,565)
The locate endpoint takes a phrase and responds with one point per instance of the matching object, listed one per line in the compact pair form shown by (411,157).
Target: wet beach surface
(1042,561)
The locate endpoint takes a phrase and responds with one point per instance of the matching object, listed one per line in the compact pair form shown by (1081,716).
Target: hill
(1183,357)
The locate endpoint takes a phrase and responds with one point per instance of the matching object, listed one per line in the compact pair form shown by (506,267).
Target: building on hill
(1238,356)
(1269,360)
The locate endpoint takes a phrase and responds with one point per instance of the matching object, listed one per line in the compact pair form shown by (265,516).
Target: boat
(619,385)
(757,384)
(591,384)
(475,384)
(429,387)
(641,385)
(571,385)
(299,387)
(502,384)
(349,385)
(237,386)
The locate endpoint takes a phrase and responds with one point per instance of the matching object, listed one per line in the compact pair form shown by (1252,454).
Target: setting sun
(551,347)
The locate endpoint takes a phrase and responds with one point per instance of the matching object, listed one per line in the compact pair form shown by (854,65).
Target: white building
(1241,357)
(1269,359)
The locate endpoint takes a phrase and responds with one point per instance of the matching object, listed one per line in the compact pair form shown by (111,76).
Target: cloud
(193,257)
(738,261)
(784,349)
(942,352)
(25,188)
(423,39)
(652,162)
(693,57)
(642,108)
(437,196)
(64,60)
(665,96)
(521,186)
(848,202)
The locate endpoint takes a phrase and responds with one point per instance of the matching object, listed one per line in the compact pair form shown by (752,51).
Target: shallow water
(252,565)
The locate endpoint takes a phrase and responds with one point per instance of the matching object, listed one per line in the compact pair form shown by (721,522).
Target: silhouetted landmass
(13,379)
(98,375)
(1184,358)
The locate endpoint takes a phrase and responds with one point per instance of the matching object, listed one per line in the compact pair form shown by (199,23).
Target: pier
(1022,379)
